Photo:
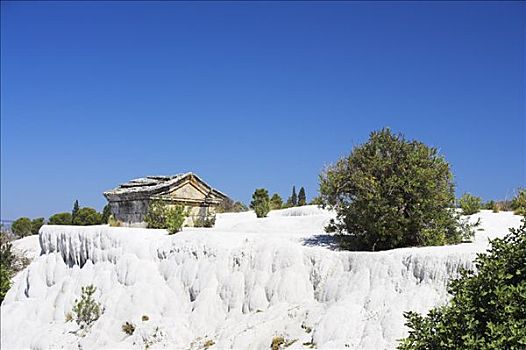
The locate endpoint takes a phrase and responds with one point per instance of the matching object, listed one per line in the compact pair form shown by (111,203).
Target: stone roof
(151,185)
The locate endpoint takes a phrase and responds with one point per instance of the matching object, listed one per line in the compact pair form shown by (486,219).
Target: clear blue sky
(251,94)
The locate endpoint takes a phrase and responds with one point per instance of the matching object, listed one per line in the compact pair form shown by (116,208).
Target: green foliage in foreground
(470,204)
(87,310)
(390,193)
(6,262)
(260,202)
(518,204)
(488,308)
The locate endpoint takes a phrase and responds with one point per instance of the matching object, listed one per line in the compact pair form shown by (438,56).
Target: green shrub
(260,202)
(175,216)
(36,224)
(156,215)
(128,328)
(5,281)
(488,308)
(518,203)
(208,221)
(87,310)
(87,216)
(60,219)
(390,193)
(275,202)
(470,204)
(21,227)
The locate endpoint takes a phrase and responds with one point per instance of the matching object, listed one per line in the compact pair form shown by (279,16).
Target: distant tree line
(79,216)
(261,202)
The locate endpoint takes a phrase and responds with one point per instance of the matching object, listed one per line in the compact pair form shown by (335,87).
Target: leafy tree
(106,212)
(175,216)
(87,310)
(75,211)
(21,227)
(488,308)
(302,198)
(260,202)
(60,219)
(36,224)
(275,202)
(87,216)
(518,203)
(390,193)
(470,204)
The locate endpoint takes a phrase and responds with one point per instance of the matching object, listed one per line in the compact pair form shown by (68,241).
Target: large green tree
(488,308)
(60,219)
(391,192)
(21,227)
(87,216)
(36,224)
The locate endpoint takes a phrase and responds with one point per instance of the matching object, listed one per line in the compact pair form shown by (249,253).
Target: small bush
(518,204)
(113,222)
(87,310)
(487,310)
(106,213)
(145,318)
(470,204)
(208,221)
(275,202)
(209,343)
(277,342)
(128,328)
(175,216)
(260,202)
(156,215)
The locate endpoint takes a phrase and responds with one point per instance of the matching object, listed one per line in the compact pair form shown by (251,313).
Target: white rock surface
(238,284)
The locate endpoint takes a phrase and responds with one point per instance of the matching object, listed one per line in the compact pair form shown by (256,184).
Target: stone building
(129,201)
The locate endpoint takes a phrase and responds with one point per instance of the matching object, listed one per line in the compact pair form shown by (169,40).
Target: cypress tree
(302,198)
(294,197)
(75,211)
(106,212)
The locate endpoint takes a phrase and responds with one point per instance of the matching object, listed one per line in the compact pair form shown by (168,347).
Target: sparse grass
(145,318)
(113,222)
(208,343)
(69,317)
(277,342)
(128,328)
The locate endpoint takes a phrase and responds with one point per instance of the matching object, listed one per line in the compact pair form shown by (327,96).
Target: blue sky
(251,94)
